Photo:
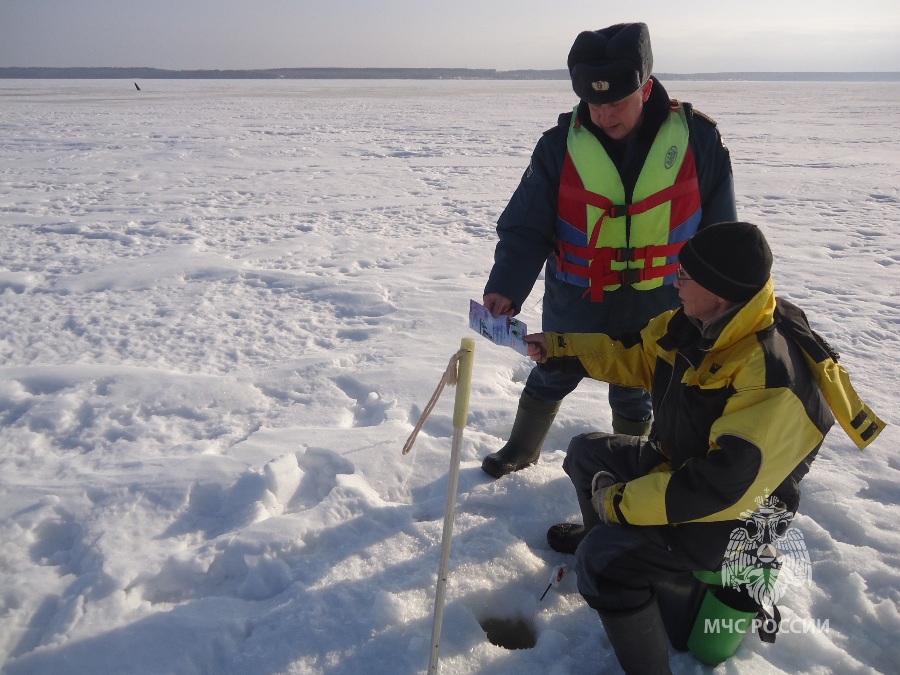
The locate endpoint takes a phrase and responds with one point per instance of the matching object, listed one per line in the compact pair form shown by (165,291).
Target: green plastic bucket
(718,630)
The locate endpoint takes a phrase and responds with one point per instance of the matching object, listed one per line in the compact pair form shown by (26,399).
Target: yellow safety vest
(604,240)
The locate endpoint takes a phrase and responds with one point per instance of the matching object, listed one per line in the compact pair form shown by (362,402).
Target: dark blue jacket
(527,227)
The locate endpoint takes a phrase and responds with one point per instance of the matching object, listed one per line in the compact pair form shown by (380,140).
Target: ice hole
(508,633)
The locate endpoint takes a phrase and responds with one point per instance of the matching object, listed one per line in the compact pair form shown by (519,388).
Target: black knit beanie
(607,65)
(732,260)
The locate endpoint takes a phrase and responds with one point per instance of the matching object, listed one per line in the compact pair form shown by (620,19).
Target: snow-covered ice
(226,303)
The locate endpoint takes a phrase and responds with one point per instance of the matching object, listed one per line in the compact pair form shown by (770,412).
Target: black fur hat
(732,260)
(607,65)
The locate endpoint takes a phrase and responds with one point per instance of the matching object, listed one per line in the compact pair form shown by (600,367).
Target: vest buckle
(625,254)
(629,277)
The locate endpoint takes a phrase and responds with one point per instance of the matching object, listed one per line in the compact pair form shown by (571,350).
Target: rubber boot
(679,599)
(565,537)
(533,420)
(639,639)
(627,427)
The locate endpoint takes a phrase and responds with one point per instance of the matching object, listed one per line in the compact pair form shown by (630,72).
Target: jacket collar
(757,314)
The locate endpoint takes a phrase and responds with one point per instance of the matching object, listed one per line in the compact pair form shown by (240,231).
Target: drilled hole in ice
(510,633)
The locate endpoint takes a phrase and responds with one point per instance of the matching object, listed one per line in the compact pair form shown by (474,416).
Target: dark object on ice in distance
(136,86)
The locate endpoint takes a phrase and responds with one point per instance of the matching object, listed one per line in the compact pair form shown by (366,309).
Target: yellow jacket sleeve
(629,364)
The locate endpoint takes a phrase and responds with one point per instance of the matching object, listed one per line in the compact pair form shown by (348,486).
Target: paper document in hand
(501,330)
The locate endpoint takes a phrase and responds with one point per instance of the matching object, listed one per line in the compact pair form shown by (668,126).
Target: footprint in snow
(370,409)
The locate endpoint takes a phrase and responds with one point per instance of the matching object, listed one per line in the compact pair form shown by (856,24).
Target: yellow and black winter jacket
(740,414)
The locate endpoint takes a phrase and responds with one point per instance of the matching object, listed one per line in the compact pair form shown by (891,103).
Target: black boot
(565,537)
(639,639)
(533,420)
(679,599)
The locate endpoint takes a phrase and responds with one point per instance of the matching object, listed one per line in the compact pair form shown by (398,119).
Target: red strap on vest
(579,194)
(600,272)
(619,210)
(613,254)
(630,276)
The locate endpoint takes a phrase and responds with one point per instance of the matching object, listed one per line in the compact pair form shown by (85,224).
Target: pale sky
(687,37)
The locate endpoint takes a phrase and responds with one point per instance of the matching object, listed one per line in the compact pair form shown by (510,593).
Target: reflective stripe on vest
(605,241)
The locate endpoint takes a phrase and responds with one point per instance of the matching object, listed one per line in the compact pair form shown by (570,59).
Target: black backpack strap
(769,623)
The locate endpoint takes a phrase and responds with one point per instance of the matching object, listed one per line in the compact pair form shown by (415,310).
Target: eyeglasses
(682,276)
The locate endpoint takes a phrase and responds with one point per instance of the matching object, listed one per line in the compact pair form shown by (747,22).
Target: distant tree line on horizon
(405,74)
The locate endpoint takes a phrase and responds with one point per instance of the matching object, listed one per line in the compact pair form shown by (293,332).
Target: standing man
(744,393)
(610,195)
